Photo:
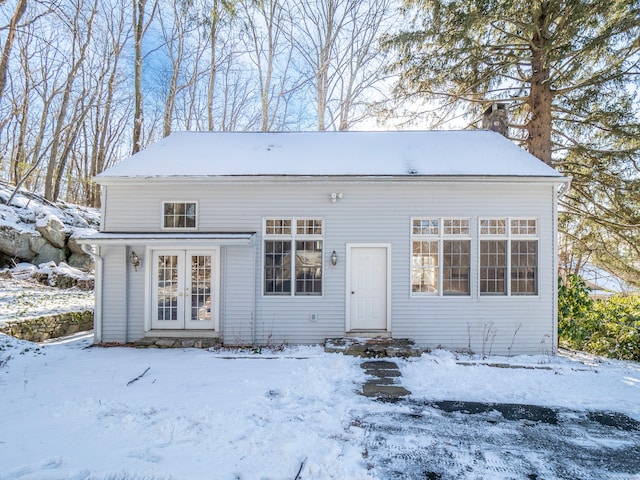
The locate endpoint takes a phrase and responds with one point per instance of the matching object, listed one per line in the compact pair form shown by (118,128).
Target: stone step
(387,392)
(383,386)
(373,347)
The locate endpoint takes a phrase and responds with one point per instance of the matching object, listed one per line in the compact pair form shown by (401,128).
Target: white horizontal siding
(367,213)
(237,297)
(114,294)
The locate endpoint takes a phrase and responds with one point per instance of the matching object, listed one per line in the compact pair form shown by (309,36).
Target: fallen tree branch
(138,377)
(300,469)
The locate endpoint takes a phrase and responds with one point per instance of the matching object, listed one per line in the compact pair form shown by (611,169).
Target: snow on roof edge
(331,154)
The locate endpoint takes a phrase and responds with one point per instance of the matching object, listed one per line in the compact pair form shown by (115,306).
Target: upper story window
(441,260)
(179,215)
(508,256)
(293,256)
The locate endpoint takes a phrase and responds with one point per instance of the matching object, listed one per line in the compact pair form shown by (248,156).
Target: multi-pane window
(293,256)
(508,256)
(179,214)
(440,256)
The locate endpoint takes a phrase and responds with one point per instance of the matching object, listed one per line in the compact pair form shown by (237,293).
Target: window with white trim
(179,215)
(293,256)
(440,256)
(508,250)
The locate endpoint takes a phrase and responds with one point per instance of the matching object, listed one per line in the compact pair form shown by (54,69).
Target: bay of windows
(441,256)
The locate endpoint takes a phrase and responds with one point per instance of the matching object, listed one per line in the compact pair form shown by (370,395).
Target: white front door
(368,289)
(184,292)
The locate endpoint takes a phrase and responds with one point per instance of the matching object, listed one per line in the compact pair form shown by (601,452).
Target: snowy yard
(72,412)
(20,300)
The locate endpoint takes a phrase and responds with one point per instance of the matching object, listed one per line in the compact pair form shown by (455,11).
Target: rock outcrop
(52,229)
(35,231)
(50,242)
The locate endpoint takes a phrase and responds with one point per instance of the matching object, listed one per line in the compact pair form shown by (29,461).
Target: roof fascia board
(153,238)
(305,179)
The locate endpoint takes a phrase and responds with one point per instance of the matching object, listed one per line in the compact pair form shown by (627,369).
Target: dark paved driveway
(466,440)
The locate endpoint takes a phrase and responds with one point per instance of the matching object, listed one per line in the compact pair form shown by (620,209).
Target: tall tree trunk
(18,158)
(138,113)
(213,33)
(81,110)
(540,98)
(13,25)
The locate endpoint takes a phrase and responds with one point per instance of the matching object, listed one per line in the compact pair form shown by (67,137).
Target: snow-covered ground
(23,299)
(68,412)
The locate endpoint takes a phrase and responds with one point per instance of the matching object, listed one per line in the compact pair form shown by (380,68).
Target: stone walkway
(373,347)
(384,385)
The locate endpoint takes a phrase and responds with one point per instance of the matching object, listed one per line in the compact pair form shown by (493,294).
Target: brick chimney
(495,118)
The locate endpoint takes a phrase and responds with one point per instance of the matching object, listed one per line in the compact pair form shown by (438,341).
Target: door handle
(353,293)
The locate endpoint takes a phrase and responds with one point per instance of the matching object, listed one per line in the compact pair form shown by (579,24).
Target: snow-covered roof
(392,153)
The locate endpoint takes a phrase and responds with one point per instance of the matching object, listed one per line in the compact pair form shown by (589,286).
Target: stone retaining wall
(50,326)
(164,342)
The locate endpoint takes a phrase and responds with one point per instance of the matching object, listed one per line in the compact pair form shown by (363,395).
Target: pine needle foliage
(570,72)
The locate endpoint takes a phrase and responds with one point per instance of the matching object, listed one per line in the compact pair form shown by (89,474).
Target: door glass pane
(200,287)
(167,287)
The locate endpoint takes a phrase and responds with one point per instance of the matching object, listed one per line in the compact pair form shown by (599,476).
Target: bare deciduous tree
(21,7)
(140,27)
(108,117)
(338,41)
(267,26)
(74,99)
(81,39)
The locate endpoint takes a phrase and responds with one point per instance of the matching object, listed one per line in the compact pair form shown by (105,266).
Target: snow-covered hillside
(37,231)
(42,287)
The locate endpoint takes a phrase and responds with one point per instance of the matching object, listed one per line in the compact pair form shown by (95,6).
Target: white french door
(184,289)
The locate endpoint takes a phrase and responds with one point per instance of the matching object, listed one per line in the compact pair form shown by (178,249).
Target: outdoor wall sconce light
(335,196)
(334,258)
(135,260)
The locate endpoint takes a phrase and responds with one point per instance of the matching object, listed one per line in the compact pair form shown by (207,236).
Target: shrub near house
(608,327)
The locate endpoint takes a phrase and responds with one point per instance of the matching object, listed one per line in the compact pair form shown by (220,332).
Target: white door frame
(349,248)
(215,280)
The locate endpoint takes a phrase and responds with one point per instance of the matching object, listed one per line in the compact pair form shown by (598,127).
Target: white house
(444,237)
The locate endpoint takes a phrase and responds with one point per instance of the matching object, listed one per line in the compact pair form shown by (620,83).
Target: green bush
(617,332)
(574,308)
(609,327)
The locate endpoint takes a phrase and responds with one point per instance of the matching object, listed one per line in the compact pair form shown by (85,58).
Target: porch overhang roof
(169,238)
